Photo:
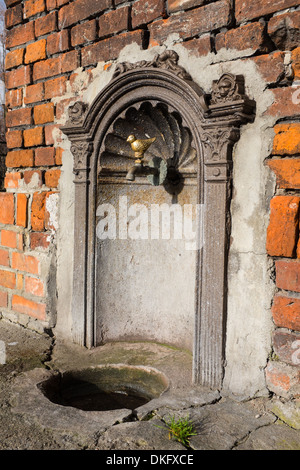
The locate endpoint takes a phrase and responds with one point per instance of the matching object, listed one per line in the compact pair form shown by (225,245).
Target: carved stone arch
(213,122)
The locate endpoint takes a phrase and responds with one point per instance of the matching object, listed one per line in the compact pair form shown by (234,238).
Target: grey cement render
(250,288)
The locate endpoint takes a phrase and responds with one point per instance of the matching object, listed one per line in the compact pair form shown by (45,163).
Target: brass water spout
(139,146)
(139,169)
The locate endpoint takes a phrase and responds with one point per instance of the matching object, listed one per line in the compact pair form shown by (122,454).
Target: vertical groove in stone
(211,313)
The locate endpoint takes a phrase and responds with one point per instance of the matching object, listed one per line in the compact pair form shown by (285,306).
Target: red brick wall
(48,39)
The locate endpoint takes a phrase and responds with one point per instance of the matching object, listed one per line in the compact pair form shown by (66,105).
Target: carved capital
(217,147)
(81,151)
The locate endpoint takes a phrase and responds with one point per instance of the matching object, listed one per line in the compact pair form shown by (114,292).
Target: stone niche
(132,280)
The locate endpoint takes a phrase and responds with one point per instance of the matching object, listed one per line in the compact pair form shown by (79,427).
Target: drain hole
(105,388)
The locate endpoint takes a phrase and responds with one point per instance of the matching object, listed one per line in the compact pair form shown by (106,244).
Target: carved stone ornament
(168,60)
(77,113)
(195,134)
(81,151)
(228,88)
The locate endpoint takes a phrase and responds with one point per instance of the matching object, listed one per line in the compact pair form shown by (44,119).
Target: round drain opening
(104,388)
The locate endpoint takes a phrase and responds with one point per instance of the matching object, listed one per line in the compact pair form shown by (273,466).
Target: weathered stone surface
(288,412)
(225,424)
(143,435)
(274,437)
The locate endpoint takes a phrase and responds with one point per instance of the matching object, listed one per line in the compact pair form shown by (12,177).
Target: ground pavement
(30,421)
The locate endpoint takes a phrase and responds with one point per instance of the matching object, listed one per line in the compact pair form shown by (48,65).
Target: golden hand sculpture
(139,146)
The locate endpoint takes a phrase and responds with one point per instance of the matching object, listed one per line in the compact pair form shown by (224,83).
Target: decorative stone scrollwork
(168,60)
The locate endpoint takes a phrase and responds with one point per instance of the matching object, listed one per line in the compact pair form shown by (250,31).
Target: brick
(33,7)
(21,218)
(58,156)
(283,229)
(287,346)
(84,32)
(38,211)
(270,66)
(34,286)
(109,49)
(3,299)
(288,275)
(20,282)
(286,312)
(13,16)
(33,137)
(14,58)
(7,279)
(35,51)
(18,117)
(10,3)
(33,178)
(141,15)
(199,46)
(4,257)
(114,21)
(58,42)
(56,66)
(19,158)
(51,4)
(284,30)
(43,113)
(287,172)
(286,102)
(56,87)
(283,379)
(29,307)
(7,208)
(69,61)
(34,93)
(52,178)
(296,63)
(27,263)
(177,5)
(191,23)
(250,37)
(18,77)
(39,240)
(14,98)
(46,24)
(79,10)
(245,11)
(12,180)
(45,156)
(20,35)
(9,238)
(50,130)
(287,139)
(46,68)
